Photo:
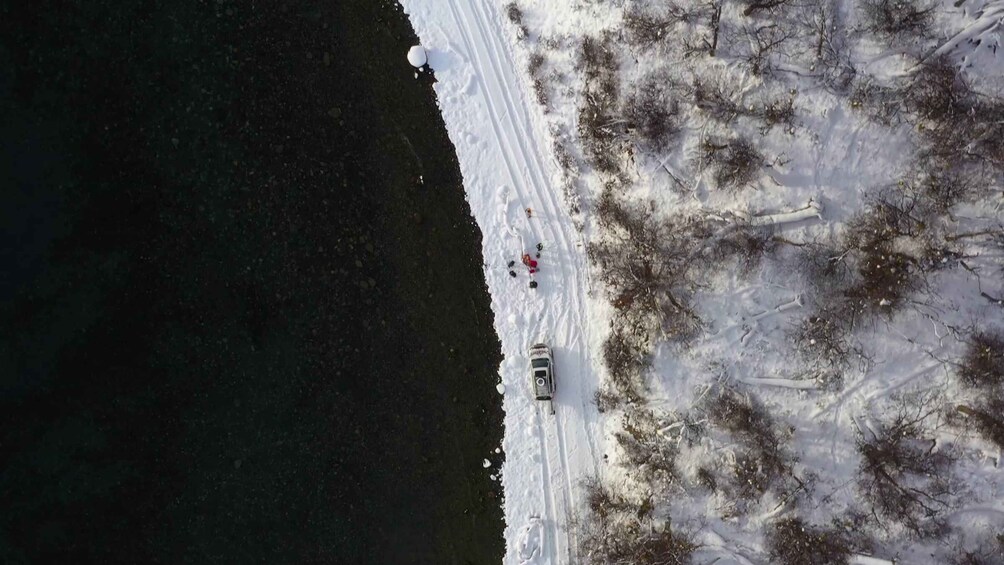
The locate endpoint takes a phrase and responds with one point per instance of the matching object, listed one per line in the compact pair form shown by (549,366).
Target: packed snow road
(507,167)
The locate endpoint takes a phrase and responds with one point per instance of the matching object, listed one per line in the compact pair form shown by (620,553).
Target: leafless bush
(829,53)
(761,461)
(535,68)
(603,503)
(982,365)
(734,163)
(755,6)
(606,400)
(984,416)
(883,242)
(748,244)
(646,28)
(646,451)
(646,263)
(825,271)
(880,103)
(937,91)
(599,123)
(599,130)
(886,279)
(823,339)
(719,101)
(626,360)
(793,542)
(945,188)
(776,113)
(706,478)
(902,474)
(617,531)
(515,16)
(896,18)
(756,43)
(989,552)
(715,99)
(636,543)
(652,115)
(705,43)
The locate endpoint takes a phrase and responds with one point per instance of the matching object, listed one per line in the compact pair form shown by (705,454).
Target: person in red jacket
(530,263)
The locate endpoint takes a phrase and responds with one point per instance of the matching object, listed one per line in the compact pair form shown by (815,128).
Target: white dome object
(417,56)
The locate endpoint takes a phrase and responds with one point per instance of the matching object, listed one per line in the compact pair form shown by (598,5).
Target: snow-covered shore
(502,147)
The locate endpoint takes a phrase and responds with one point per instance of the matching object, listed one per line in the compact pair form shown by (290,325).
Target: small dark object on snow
(538,255)
(529,213)
(540,247)
(512,273)
(511,263)
(533,284)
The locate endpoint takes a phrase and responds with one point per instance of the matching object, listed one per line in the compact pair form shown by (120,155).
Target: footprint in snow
(529,540)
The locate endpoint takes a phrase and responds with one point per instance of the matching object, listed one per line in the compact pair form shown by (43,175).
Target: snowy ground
(515,90)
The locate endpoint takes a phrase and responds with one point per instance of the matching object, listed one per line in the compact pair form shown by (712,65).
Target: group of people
(531,264)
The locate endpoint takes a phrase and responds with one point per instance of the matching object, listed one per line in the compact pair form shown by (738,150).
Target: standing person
(530,263)
(529,213)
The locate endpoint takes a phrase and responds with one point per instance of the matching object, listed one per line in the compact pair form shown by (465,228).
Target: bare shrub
(755,44)
(715,99)
(646,451)
(652,115)
(606,400)
(599,124)
(755,6)
(896,18)
(985,418)
(776,113)
(599,66)
(515,16)
(830,54)
(535,68)
(638,544)
(886,242)
(747,243)
(706,478)
(761,461)
(886,278)
(647,28)
(937,91)
(988,552)
(599,130)
(705,43)
(902,475)
(791,541)
(945,188)
(617,531)
(720,101)
(734,163)
(626,361)
(823,339)
(646,263)
(982,365)
(880,103)
(603,503)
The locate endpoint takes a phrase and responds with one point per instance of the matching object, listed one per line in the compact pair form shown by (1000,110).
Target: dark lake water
(234,326)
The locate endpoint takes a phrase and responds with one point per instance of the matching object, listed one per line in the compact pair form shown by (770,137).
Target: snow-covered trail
(507,166)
